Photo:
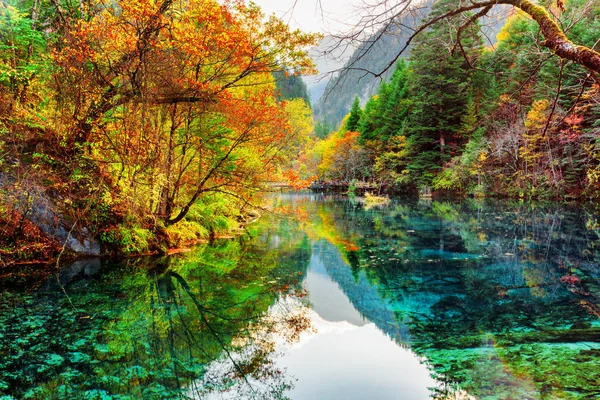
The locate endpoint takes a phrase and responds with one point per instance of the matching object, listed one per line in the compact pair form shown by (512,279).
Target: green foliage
(385,114)
(375,54)
(391,164)
(78,118)
(128,240)
(215,213)
(356,113)
(135,240)
(20,44)
(185,232)
(355,116)
(464,173)
(431,103)
(440,88)
(291,86)
(471,119)
(352,187)
(323,129)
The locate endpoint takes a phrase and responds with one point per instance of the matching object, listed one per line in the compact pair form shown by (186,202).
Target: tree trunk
(555,39)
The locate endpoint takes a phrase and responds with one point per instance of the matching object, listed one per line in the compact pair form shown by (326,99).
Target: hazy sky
(310,15)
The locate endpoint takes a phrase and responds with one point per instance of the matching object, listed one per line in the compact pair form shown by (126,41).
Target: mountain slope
(373,56)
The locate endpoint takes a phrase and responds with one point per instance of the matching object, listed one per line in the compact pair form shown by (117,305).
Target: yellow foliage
(301,123)
(535,123)
(537,116)
(372,200)
(196,109)
(505,32)
(482,156)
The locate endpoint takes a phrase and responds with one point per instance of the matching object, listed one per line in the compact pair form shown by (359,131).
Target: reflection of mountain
(477,290)
(326,298)
(362,293)
(347,357)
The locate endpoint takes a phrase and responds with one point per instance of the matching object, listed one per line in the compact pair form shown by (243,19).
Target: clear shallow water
(410,301)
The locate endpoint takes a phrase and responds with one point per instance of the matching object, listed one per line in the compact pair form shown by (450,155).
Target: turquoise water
(414,300)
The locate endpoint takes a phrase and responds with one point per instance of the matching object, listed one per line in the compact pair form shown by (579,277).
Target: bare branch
(554,37)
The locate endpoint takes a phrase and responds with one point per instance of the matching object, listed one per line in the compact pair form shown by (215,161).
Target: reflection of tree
(156,334)
(250,357)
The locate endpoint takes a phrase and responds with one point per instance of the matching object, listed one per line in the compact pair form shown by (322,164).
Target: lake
(327,299)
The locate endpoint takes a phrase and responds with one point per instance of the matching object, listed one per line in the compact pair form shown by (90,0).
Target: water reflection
(348,356)
(326,298)
(147,328)
(414,300)
(502,301)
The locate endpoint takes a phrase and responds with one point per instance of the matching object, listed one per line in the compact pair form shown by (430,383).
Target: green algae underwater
(496,300)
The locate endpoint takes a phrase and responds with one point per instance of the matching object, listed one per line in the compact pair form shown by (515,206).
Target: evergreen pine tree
(323,129)
(369,121)
(397,104)
(385,113)
(439,89)
(353,122)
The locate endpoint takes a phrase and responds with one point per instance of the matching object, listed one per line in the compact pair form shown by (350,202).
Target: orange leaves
(177,99)
(140,11)
(574,120)
(254,113)
(572,129)
(293,179)
(341,155)
(570,280)
(189,51)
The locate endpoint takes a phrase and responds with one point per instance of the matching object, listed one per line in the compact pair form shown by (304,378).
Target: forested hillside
(371,56)
(458,116)
(359,77)
(137,127)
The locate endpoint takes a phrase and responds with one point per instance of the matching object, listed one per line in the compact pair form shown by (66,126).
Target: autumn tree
(533,152)
(301,137)
(175,100)
(350,160)
(390,165)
